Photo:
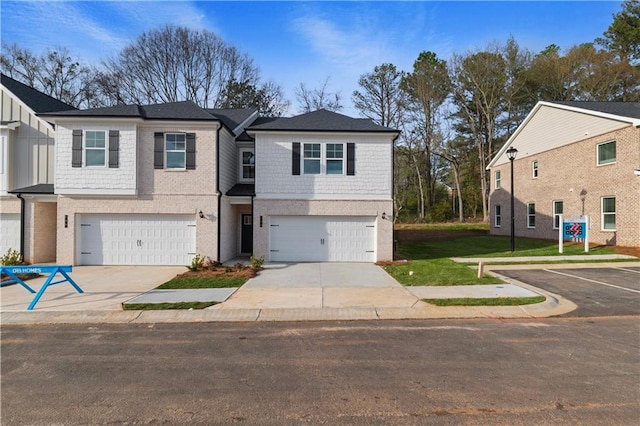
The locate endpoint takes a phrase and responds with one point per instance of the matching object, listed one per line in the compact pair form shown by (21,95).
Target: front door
(246,234)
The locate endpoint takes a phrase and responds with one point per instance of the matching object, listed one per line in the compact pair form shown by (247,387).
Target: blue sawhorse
(52,270)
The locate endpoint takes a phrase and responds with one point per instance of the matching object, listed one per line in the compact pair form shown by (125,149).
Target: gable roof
(232,118)
(34,99)
(550,125)
(320,121)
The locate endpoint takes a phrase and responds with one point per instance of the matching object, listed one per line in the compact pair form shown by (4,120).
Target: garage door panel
(136,239)
(9,232)
(322,239)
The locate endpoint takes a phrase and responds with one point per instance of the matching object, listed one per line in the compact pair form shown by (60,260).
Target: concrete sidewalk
(284,292)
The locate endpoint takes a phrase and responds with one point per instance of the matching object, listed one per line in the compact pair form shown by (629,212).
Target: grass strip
(162,306)
(178,283)
(496,301)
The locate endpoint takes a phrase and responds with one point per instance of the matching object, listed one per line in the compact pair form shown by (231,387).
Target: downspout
(22,227)
(393,195)
(218,193)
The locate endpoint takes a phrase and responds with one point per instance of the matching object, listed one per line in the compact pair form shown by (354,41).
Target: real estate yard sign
(574,229)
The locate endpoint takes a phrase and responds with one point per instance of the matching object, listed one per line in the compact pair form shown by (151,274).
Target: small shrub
(197,263)
(11,257)
(256,262)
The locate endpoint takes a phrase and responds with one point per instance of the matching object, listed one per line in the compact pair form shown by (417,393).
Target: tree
(175,64)
(623,35)
(267,98)
(315,99)
(427,87)
(380,98)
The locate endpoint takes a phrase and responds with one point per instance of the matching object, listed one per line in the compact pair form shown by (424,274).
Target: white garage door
(9,232)
(322,239)
(136,239)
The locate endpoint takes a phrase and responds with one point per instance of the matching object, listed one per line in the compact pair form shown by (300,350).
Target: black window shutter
(295,159)
(351,159)
(76,149)
(158,151)
(114,149)
(191,151)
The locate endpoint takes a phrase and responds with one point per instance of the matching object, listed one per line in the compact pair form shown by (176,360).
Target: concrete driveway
(320,285)
(105,288)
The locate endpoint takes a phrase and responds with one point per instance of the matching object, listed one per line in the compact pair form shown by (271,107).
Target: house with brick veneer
(574,158)
(158,184)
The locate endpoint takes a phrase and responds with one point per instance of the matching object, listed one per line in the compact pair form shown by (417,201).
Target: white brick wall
(373,178)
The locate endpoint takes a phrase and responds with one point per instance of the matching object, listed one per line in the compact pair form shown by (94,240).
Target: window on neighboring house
(534,169)
(335,156)
(175,150)
(498,215)
(531,215)
(497,180)
(608,213)
(558,207)
(248,165)
(311,158)
(607,153)
(95,148)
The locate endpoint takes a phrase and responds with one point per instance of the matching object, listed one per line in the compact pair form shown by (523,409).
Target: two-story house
(158,184)
(573,159)
(27,201)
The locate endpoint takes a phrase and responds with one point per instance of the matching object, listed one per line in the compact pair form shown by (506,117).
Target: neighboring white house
(27,203)
(158,184)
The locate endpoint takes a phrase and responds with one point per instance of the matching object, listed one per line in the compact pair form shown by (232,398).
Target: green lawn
(497,301)
(430,262)
(202,282)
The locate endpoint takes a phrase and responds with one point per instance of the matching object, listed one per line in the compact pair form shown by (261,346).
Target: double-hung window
(608,213)
(175,150)
(497,179)
(531,215)
(311,158)
(607,153)
(248,165)
(95,148)
(534,169)
(558,208)
(498,215)
(335,158)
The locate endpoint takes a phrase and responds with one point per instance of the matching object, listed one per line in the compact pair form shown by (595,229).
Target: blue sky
(294,41)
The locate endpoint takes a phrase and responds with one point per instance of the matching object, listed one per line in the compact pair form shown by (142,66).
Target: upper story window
(247,166)
(175,150)
(335,156)
(95,148)
(607,153)
(311,158)
(497,179)
(534,169)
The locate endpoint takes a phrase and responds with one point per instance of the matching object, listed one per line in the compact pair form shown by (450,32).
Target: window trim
(615,159)
(534,169)
(602,214)
(243,165)
(497,179)
(556,215)
(304,157)
(531,216)
(324,159)
(497,216)
(334,159)
(166,151)
(104,149)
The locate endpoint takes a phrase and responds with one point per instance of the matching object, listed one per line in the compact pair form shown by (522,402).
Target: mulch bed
(222,271)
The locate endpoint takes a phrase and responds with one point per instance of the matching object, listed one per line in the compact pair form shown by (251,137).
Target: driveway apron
(320,285)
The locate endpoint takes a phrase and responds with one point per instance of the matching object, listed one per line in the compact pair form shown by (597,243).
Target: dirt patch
(631,251)
(410,235)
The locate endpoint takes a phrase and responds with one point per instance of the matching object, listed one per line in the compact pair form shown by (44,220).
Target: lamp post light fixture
(511,155)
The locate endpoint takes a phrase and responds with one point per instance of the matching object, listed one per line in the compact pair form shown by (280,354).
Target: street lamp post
(511,155)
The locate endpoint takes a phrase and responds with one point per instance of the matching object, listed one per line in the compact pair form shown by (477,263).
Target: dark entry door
(246,237)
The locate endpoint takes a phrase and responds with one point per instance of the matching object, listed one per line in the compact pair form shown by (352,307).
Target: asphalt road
(596,291)
(552,371)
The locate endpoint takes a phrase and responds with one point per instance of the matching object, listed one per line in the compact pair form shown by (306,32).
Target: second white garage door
(9,232)
(322,239)
(136,239)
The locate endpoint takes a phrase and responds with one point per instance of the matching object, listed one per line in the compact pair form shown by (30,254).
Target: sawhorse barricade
(52,270)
